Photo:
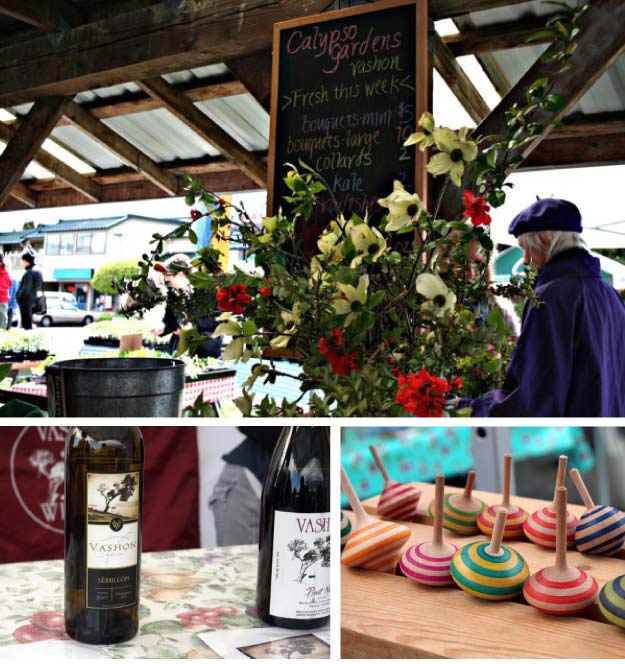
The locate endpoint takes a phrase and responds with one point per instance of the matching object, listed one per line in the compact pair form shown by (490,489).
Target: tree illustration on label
(308,556)
(122,490)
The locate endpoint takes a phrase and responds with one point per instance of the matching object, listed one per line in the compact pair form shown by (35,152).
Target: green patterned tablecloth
(182,593)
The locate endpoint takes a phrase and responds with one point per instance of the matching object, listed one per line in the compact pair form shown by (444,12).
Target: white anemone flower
(455,153)
(351,299)
(439,298)
(403,207)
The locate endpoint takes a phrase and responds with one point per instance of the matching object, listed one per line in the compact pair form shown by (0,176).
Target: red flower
(159,267)
(196,214)
(477,208)
(335,341)
(343,365)
(457,383)
(265,292)
(233,298)
(221,202)
(422,394)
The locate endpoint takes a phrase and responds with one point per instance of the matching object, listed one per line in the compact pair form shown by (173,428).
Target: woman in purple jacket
(569,359)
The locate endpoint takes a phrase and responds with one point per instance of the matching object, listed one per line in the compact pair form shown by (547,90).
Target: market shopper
(569,358)
(12,303)
(5,293)
(236,497)
(31,286)
(177,269)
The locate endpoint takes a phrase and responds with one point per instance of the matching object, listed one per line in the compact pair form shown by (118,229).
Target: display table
(392,616)
(182,593)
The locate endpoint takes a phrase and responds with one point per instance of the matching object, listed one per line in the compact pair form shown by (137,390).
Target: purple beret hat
(547,214)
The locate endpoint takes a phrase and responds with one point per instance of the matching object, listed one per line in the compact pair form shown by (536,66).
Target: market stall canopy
(509,263)
(112,100)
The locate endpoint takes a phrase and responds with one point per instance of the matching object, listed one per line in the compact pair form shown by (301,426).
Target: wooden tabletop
(394,617)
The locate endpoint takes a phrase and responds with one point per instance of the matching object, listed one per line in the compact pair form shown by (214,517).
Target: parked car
(62,312)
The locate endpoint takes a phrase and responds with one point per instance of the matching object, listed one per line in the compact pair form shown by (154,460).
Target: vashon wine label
(112,539)
(300,566)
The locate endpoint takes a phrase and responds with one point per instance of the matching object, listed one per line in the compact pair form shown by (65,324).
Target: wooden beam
(573,151)
(254,72)
(122,148)
(459,83)
(601,42)
(184,109)
(81,183)
(597,124)
(440,9)
(498,37)
(139,102)
(197,166)
(51,15)
(220,182)
(25,194)
(27,140)
(147,42)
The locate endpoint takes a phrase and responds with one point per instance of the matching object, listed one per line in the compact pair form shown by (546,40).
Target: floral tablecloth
(417,454)
(182,593)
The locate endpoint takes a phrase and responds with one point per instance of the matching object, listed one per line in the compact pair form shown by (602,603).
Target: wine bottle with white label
(293,588)
(103,510)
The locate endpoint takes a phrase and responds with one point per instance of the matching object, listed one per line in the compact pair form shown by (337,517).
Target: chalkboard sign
(348,88)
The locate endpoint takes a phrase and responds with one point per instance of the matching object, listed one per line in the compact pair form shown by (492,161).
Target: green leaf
(497,198)
(192,236)
(5,370)
(542,34)
(554,103)
(249,328)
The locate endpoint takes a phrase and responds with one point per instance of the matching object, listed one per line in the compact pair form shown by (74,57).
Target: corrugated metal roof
(160,135)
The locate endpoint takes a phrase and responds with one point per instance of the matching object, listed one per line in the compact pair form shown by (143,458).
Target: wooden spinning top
(601,529)
(612,601)
(398,501)
(516,515)
(346,528)
(461,510)
(429,562)
(540,526)
(490,571)
(561,589)
(372,544)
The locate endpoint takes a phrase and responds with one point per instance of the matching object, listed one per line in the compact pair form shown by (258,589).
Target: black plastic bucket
(115,387)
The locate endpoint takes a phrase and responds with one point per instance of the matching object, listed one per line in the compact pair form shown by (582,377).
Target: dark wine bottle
(293,587)
(103,510)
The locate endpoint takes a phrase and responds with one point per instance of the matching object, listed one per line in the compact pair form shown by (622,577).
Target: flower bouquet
(382,320)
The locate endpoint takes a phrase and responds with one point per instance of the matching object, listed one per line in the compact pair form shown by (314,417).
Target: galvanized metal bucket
(115,387)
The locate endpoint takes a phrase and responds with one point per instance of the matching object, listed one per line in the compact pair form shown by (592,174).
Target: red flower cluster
(477,208)
(233,298)
(196,214)
(342,365)
(422,394)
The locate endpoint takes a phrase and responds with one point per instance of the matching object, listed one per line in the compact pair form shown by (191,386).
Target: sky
(596,190)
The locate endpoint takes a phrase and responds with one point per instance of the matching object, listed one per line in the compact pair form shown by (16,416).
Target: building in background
(69,252)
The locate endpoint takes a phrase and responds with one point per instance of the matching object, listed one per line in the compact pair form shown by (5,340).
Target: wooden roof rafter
(601,43)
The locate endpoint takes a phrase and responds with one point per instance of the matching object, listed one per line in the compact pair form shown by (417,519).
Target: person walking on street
(12,303)
(30,287)
(5,287)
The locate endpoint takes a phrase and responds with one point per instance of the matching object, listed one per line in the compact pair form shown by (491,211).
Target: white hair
(558,241)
